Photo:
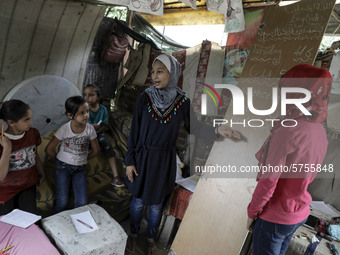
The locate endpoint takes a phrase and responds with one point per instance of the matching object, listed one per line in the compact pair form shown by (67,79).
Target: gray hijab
(163,98)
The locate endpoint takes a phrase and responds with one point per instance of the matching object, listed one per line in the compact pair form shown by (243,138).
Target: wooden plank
(293,39)
(187,16)
(81,43)
(43,38)
(215,221)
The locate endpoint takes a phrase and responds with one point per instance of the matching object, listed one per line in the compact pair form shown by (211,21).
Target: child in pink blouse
(280,202)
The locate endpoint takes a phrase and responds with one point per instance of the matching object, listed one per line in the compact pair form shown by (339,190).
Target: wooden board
(215,221)
(288,36)
(187,16)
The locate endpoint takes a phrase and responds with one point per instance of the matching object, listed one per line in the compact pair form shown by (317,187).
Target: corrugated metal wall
(45,37)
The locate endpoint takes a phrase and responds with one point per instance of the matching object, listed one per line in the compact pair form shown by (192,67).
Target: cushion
(334,230)
(110,238)
(31,240)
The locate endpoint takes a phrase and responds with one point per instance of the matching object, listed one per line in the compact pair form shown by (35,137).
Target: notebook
(20,218)
(84,222)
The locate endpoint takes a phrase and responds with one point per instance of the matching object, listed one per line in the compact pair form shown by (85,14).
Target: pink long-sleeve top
(283,197)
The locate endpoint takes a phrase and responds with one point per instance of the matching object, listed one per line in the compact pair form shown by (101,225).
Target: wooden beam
(335,15)
(185,16)
(177,13)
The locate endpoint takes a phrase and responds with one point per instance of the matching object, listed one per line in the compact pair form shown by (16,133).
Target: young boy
(99,119)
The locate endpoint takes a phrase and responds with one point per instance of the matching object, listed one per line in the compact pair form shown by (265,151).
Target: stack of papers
(84,222)
(20,218)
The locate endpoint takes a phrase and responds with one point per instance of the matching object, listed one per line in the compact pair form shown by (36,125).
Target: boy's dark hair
(72,104)
(14,110)
(96,88)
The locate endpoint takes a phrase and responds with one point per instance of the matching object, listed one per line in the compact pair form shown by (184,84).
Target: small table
(110,238)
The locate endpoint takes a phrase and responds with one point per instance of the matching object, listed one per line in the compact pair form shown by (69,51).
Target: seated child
(99,120)
(75,137)
(20,166)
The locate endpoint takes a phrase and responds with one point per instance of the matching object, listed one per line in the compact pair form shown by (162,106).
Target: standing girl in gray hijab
(151,155)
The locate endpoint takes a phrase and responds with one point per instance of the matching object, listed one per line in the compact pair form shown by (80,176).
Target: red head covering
(319,82)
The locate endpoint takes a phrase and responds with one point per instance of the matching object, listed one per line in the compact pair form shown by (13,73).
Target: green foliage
(119,11)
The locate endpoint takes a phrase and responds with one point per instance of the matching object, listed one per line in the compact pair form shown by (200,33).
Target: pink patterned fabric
(30,241)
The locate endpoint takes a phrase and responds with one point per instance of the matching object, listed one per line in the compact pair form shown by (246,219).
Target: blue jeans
(154,217)
(63,175)
(272,238)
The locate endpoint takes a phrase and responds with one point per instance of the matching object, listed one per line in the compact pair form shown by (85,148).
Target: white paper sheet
(20,218)
(84,222)
(322,207)
(234,17)
(189,183)
(154,7)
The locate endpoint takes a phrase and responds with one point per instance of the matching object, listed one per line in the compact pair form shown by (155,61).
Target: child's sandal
(131,244)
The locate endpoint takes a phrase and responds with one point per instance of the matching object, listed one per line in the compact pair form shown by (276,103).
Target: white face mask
(14,137)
